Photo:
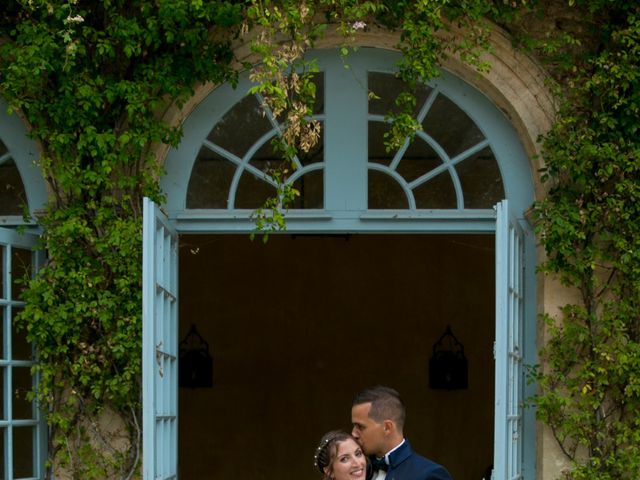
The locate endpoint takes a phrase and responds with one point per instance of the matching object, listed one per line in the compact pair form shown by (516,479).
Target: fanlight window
(449,164)
(12,193)
(235,164)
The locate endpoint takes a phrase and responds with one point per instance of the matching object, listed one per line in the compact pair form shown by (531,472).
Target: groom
(378,417)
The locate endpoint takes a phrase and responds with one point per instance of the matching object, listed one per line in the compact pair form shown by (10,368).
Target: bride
(339,457)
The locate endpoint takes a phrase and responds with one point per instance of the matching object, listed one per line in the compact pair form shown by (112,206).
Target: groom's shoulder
(429,470)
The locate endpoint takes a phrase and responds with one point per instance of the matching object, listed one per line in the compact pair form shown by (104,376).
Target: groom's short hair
(386,404)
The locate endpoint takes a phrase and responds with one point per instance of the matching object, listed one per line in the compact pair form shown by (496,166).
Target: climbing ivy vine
(588,224)
(93,78)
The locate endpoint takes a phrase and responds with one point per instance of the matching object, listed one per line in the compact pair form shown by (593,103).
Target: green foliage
(284,78)
(590,386)
(91,78)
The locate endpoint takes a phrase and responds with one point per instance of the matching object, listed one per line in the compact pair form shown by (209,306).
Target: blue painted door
(509,352)
(159,345)
(22,429)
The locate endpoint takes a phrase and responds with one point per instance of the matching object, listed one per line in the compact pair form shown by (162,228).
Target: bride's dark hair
(327,449)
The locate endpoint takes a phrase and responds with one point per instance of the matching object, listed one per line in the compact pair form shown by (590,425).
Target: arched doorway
(444,184)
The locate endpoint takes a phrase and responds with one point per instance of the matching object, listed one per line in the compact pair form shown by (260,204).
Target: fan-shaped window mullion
(304,170)
(276,125)
(222,152)
(245,166)
(420,117)
(448,167)
(312,173)
(398,178)
(480,179)
(446,161)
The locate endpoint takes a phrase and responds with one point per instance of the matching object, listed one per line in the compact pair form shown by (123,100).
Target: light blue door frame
(514,443)
(345,211)
(159,346)
(514,438)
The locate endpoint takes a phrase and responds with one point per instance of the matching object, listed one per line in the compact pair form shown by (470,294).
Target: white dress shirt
(381,474)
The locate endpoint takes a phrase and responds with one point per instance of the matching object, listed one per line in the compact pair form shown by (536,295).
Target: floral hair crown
(319,450)
(322,457)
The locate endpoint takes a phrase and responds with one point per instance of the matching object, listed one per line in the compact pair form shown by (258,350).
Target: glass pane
(210,180)
(387,87)
(241,127)
(267,160)
(3,376)
(316,154)
(438,192)
(448,125)
(481,180)
(12,194)
(385,193)
(3,435)
(3,290)
(20,347)
(5,313)
(23,441)
(20,271)
(311,188)
(318,79)
(3,148)
(419,159)
(21,387)
(377,150)
(252,191)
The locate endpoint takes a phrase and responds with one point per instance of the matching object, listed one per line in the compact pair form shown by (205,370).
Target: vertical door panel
(509,346)
(159,345)
(22,426)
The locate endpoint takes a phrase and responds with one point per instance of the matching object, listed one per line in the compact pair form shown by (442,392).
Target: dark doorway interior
(298,325)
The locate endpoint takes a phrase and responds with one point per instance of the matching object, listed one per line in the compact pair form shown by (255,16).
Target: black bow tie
(379,464)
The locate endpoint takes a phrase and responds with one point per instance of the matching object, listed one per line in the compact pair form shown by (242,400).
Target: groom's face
(368,433)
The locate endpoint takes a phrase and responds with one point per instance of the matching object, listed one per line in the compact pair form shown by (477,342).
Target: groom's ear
(388,426)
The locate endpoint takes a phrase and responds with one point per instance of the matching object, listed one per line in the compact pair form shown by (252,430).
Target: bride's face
(350,463)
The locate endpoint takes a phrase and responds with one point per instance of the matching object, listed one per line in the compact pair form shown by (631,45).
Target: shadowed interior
(297,326)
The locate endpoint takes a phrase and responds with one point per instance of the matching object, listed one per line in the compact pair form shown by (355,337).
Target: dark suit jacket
(405,464)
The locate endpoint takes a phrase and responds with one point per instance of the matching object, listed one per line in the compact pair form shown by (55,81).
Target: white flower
(359,25)
(75,19)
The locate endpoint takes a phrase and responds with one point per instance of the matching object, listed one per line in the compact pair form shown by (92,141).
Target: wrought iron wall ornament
(195,367)
(448,367)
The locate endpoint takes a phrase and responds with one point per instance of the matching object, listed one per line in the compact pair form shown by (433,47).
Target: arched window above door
(234,166)
(21,182)
(13,197)
(449,164)
(466,158)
